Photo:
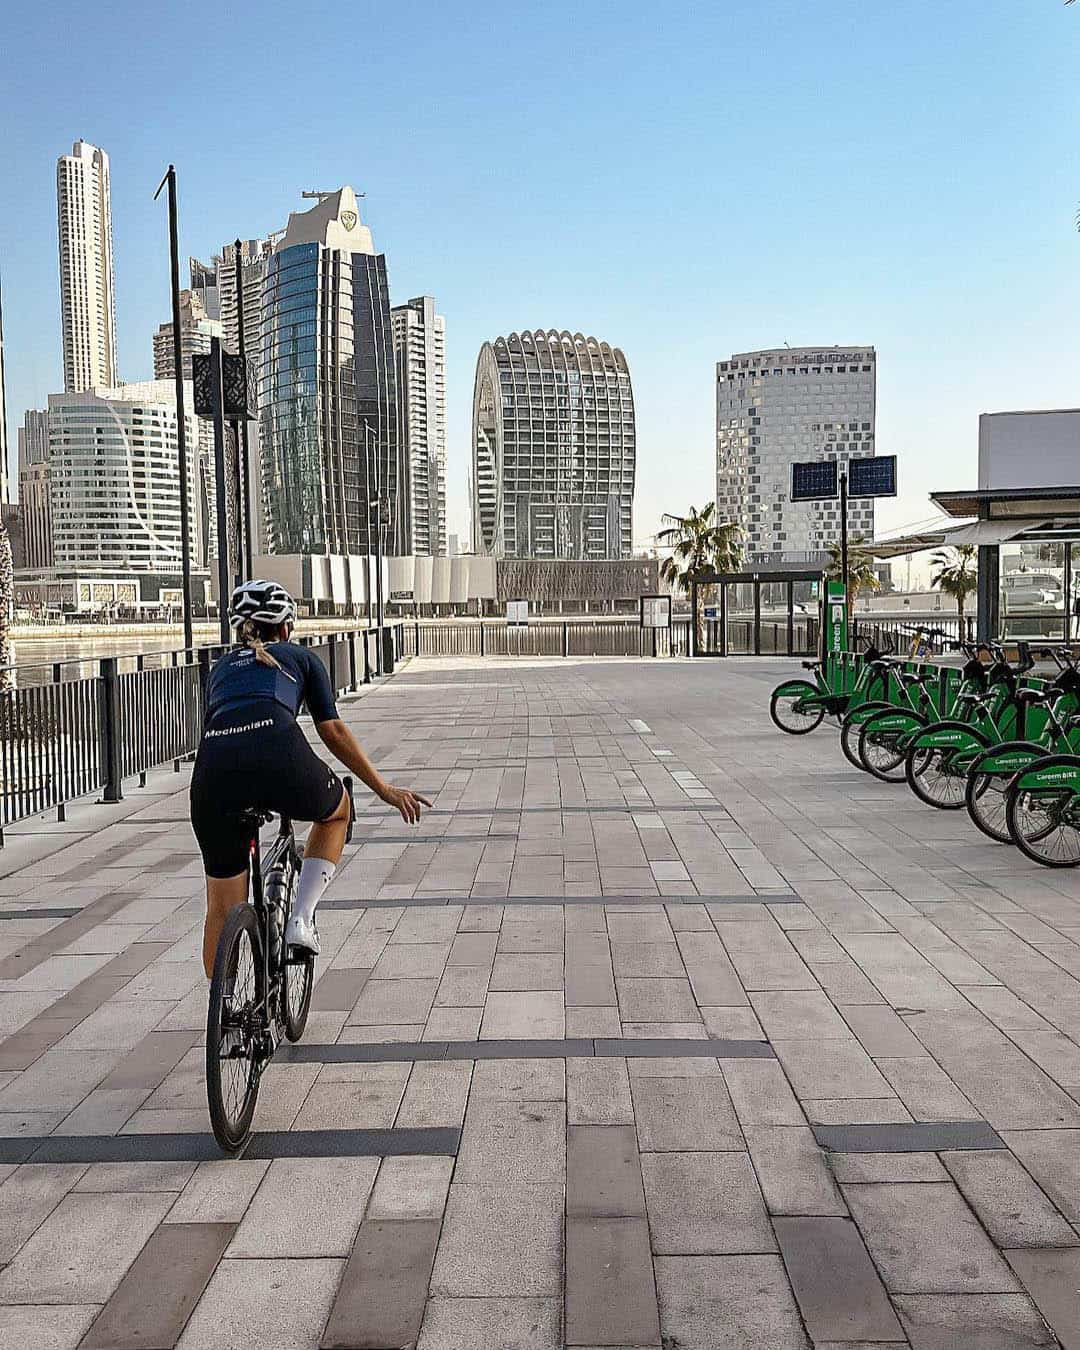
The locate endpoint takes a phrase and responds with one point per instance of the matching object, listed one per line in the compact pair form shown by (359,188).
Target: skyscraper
(782,406)
(420,352)
(553,448)
(5,467)
(87,299)
(115,478)
(196,330)
(34,488)
(327,401)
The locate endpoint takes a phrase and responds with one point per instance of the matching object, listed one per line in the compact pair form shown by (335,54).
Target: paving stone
(519,1080)
(593,1022)
(887,1167)
(521,1323)
(973,1321)
(1052,1278)
(656,1000)
(453,1024)
(646,959)
(150,1061)
(760,1093)
(524,971)
(610,1293)
(83,1249)
(834,1280)
(880,1031)
(338,990)
(411,961)
(1012,1208)
(704,1203)
(589,985)
(463,987)
(799,1015)
(27,1197)
(45,1328)
(727,1303)
(306,1207)
(138,1176)
(154,1300)
(1053,1159)
(926,1091)
(354,1096)
(380,1300)
(389,1002)
(411,1188)
(219,1192)
(598,1092)
(255,1303)
(435,1095)
(603,1174)
(500,1241)
(513,1142)
(925,1240)
(792,1171)
(525,1016)
(684,1113)
(830,1069)
(857,1111)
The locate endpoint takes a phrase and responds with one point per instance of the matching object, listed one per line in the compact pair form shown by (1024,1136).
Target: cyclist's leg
(224,844)
(222,895)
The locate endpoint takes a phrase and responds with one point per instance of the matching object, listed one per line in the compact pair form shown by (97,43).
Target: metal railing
(65,733)
(569,637)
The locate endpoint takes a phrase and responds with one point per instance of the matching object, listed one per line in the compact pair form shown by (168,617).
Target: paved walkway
(661,1029)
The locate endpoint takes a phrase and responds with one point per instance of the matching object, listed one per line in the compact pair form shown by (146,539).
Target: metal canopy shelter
(742,626)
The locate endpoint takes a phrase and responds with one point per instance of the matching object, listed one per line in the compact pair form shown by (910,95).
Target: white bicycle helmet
(264,602)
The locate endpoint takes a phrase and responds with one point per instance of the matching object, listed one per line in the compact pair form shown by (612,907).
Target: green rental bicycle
(993,769)
(986,712)
(1042,811)
(799,706)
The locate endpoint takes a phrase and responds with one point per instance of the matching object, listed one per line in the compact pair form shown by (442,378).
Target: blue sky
(684,181)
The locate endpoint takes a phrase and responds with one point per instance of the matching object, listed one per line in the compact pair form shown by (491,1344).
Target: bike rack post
(110,729)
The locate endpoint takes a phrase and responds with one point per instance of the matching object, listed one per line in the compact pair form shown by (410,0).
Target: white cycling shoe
(299,932)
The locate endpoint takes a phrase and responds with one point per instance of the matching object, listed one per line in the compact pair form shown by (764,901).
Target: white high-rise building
(420,354)
(114,470)
(196,330)
(5,467)
(34,488)
(87,297)
(783,406)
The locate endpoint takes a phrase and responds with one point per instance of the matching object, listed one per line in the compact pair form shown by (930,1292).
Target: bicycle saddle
(1032,695)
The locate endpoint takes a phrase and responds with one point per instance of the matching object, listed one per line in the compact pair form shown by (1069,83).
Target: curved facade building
(327,394)
(553,448)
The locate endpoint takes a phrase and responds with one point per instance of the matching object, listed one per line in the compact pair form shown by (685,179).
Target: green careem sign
(835,625)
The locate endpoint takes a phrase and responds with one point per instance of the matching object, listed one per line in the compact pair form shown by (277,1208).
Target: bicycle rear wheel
(788,716)
(933,780)
(881,753)
(234,1043)
(984,795)
(849,742)
(1044,824)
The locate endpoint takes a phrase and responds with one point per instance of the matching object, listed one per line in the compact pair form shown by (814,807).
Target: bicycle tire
(879,759)
(984,797)
(850,733)
(231,1111)
(919,770)
(809,722)
(298,980)
(1027,840)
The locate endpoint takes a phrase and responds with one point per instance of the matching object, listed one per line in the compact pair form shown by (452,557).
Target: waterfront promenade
(661,1030)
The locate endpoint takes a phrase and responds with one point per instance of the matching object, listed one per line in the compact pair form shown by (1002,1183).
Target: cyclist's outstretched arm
(343,745)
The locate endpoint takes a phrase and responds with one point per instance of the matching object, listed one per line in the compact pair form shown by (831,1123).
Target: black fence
(65,733)
(572,637)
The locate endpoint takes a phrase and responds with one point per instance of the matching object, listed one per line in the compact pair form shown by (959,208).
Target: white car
(1022,592)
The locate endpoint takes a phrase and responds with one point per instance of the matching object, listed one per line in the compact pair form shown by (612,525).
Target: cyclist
(254,755)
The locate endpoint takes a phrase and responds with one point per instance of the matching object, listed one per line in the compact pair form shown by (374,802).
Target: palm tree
(700,548)
(957,575)
(860,565)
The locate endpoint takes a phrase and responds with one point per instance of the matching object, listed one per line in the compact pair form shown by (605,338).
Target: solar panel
(813,481)
(872,476)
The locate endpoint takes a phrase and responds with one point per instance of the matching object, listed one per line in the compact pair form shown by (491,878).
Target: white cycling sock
(315,875)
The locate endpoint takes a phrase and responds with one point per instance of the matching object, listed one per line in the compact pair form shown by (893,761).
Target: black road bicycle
(260,991)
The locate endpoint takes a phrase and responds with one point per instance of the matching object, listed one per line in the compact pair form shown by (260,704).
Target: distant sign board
(872,476)
(517,613)
(656,611)
(398,597)
(814,481)
(712,612)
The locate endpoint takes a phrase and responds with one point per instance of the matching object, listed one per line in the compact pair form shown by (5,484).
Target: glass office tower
(327,401)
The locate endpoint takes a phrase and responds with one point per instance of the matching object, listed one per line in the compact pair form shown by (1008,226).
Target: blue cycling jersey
(238,679)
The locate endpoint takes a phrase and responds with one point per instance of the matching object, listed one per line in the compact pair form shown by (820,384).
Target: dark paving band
(583,1047)
(932,1137)
(38,913)
(138,1148)
(419,902)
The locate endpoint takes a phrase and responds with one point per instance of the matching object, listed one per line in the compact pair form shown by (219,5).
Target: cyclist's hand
(408,803)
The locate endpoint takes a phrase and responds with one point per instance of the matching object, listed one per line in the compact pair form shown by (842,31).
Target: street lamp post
(217,396)
(249,565)
(181,428)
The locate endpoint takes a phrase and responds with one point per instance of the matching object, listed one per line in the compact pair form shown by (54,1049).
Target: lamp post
(242,425)
(181,428)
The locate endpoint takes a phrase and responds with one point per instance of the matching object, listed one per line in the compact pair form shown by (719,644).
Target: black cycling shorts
(254,757)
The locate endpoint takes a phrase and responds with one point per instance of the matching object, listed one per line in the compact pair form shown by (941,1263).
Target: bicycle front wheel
(787,711)
(299,978)
(234,1039)
(881,753)
(984,795)
(933,780)
(1044,824)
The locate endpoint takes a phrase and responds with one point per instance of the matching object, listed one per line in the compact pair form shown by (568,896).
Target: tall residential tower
(553,448)
(420,351)
(87,298)
(327,392)
(782,406)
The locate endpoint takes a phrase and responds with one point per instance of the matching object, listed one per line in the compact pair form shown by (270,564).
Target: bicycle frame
(283,844)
